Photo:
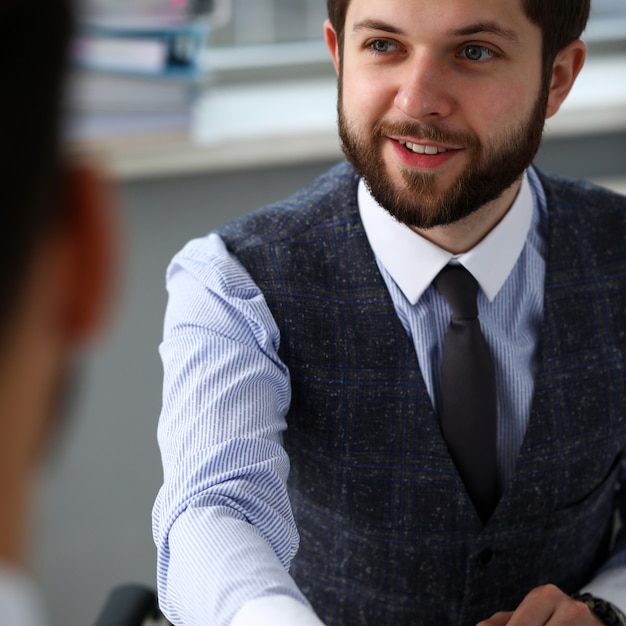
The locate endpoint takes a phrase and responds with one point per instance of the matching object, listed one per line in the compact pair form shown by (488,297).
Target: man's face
(441,104)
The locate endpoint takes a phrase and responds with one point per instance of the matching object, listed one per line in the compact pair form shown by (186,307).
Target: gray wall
(93,524)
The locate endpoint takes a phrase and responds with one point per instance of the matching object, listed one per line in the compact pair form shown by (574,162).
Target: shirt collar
(413,261)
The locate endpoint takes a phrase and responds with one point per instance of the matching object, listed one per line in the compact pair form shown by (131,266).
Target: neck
(466,233)
(14,528)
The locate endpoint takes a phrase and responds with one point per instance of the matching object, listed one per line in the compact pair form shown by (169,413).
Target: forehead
(440,17)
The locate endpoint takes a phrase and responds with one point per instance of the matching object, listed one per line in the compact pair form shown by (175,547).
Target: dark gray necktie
(468,391)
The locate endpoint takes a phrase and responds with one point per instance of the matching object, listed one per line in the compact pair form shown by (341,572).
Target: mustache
(429,132)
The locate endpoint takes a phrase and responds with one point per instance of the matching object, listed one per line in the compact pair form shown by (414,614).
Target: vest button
(485,557)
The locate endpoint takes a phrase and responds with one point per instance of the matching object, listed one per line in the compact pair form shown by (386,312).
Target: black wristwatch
(606,612)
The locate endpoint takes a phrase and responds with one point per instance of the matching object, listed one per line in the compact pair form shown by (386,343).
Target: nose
(425,90)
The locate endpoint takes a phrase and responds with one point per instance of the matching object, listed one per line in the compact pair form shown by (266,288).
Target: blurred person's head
(54,253)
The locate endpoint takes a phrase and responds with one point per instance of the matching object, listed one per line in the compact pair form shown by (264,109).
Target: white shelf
(241,126)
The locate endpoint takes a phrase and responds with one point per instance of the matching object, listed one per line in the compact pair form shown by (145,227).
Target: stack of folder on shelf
(167,51)
(140,71)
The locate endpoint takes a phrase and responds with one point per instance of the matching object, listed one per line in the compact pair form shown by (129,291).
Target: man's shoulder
(569,194)
(332,197)
(587,225)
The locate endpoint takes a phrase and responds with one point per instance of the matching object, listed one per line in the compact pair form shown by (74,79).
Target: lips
(423,156)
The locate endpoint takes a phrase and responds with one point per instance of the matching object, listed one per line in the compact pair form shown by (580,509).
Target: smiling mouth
(419,148)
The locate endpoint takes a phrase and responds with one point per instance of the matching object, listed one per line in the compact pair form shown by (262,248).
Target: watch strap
(606,612)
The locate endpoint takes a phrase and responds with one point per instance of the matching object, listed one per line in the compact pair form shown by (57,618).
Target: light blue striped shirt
(222,521)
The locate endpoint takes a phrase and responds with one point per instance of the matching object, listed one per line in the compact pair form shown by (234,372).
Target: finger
(549,606)
(498,619)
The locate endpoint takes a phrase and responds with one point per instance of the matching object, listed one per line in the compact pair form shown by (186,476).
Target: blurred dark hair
(34,43)
(560,21)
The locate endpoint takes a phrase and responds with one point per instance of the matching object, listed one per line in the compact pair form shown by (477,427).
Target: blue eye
(477,53)
(382,46)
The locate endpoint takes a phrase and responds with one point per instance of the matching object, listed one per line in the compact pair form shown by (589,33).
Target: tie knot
(459,288)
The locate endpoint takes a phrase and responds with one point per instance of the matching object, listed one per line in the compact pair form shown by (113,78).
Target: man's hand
(546,606)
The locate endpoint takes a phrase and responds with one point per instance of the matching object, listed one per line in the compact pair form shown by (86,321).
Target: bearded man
(397,397)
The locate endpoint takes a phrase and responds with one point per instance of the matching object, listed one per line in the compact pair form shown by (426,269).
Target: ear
(567,65)
(330,36)
(90,240)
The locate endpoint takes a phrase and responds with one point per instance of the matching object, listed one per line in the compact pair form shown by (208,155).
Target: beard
(492,168)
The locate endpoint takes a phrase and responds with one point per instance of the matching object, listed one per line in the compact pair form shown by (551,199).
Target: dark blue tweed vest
(388,534)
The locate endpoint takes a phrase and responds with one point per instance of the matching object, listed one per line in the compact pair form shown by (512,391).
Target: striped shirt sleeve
(222,521)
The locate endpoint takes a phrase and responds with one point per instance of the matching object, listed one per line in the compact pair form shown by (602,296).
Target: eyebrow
(368,24)
(492,28)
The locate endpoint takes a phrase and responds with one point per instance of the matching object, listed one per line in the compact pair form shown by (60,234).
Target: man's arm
(223,524)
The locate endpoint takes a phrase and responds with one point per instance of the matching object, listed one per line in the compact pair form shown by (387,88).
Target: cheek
(365,98)
(504,108)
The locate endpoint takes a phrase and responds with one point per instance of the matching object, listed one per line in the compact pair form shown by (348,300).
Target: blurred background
(193,137)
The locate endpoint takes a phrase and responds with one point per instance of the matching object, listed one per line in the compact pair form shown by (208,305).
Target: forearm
(215,564)
(224,532)
(275,611)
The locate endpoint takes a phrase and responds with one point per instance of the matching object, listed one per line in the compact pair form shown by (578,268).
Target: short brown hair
(560,21)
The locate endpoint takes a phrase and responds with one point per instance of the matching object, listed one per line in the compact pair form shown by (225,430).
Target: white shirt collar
(413,262)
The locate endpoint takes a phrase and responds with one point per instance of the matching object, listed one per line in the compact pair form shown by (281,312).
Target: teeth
(421,149)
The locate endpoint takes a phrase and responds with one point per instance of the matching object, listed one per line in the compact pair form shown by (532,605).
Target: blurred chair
(131,605)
